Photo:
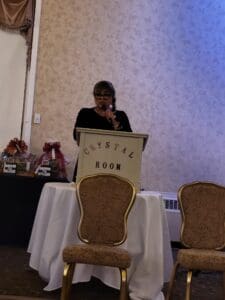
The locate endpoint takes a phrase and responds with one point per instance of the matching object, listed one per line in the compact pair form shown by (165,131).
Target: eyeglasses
(104,96)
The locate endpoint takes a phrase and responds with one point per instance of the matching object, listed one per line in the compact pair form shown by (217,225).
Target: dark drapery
(18,15)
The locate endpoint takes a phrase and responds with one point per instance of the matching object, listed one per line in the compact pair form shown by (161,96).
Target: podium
(106,151)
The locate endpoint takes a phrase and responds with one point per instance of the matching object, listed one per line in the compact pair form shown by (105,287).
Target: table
(18,204)
(148,242)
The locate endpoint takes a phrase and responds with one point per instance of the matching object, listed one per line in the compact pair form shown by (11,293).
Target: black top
(88,118)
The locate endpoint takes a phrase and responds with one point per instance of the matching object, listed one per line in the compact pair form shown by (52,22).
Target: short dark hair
(108,86)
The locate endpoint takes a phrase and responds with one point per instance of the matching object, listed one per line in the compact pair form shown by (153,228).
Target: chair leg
(172,280)
(123,285)
(223,285)
(67,280)
(188,289)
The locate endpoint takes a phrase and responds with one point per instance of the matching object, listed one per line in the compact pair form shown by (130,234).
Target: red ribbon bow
(49,146)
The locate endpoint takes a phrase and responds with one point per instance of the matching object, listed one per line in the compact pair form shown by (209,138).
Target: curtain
(19,15)
(16,24)
(13,52)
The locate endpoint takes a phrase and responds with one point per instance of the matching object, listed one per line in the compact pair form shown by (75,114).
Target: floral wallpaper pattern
(166,59)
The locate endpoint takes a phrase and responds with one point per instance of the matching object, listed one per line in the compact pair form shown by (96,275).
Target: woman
(104,114)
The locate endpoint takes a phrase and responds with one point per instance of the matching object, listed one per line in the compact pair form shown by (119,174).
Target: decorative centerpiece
(16,154)
(52,161)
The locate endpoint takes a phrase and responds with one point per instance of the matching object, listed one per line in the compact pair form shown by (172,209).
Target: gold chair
(105,201)
(202,206)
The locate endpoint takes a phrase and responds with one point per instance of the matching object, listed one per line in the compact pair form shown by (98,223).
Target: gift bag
(54,158)
(16,153)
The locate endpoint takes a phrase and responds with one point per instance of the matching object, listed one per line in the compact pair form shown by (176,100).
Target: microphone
(111,117)
(110,107)
(108,112)
(107,107)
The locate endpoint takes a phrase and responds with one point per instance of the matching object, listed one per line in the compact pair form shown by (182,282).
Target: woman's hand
(111,117)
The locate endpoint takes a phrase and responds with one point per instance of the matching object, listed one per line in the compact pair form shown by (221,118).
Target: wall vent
(171,204)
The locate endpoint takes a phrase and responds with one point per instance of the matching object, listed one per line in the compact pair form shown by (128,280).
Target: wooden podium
(106,151)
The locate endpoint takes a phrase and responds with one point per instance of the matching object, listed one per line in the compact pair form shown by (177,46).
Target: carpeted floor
(17,279)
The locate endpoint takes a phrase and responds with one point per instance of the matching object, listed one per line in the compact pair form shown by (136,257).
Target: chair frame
(69,268)
(176,265)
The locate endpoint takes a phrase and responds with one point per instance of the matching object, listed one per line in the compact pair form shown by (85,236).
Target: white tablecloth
(148,241)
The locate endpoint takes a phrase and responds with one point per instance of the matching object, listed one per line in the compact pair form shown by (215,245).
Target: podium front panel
(104,152)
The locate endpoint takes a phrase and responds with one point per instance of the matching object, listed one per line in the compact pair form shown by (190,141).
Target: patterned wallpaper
(166,59)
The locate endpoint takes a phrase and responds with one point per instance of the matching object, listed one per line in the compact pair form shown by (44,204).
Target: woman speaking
(104,114)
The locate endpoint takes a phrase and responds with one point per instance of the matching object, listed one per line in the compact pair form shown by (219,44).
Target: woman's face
(103,99)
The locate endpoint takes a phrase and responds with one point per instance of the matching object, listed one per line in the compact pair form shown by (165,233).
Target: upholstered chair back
(203,215)
(105,201)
